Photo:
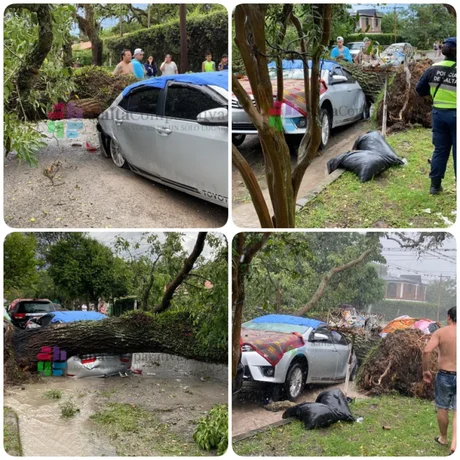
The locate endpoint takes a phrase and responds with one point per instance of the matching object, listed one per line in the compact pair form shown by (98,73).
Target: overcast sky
(430,265)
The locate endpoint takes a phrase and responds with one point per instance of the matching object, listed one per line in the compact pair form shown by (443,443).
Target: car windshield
(35,307)
(355,46)
(275,327)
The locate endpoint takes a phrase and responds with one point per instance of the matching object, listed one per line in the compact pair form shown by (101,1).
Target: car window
(187,102)
(35,307)
(348,75)
(143,100)
(338,338)
(325,332)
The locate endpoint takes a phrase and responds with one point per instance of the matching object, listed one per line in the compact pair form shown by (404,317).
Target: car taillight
(88,360)
(19,315)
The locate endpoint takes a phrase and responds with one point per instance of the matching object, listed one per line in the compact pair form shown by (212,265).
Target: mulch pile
(418,109)
(396,365)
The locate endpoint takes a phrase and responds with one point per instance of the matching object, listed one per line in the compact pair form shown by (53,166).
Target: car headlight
(301,122)
(247,348)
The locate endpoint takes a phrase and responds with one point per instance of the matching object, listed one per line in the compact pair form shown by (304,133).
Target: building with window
(370,21)
(406,287)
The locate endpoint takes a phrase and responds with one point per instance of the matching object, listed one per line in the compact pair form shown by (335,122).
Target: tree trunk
(172,333)
(29,66)
(86,108)
(90,27)
(370,80)
(183,38)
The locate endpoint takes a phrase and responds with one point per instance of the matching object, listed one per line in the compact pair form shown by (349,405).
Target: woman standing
(151,67)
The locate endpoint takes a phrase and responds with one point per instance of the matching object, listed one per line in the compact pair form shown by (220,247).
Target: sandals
(439,442)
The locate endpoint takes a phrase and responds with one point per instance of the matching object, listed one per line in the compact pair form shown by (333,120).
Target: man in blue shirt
(341,52)
(138,67)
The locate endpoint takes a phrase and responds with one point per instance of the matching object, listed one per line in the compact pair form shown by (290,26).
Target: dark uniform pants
(444,140)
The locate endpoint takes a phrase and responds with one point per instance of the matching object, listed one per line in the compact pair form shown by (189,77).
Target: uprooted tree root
(404,106)
(396,365)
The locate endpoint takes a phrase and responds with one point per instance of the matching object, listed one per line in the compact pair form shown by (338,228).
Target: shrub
(68,409)
(212,430)
(393,308)
(204,32)
(382,39)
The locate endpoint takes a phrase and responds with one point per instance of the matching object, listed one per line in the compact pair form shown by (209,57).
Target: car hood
(271,345)
(294,92)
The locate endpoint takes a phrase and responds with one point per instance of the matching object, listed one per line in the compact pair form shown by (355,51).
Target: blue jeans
(445,391)
(444,140)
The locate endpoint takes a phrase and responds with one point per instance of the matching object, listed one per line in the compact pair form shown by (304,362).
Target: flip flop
(452,452)
(439,442)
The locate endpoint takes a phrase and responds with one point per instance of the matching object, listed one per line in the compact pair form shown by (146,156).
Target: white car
(173,130)
(342,101)
(291,351)
(355,48)
(396,53)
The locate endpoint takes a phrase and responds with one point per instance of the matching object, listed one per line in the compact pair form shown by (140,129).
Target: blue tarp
(71,316)
(219,79)
(288,319)
(298,64)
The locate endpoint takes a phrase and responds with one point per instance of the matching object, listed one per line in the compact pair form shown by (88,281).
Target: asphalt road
(94,193)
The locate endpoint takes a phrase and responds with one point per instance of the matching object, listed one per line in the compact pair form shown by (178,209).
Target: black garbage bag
(337,402)
(374,142)
(370,156)
(313,415)
(364,163)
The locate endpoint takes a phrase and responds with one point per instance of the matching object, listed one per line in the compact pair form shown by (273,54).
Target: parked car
(22,310)
(85,365)
(342,101)
(355,48)
(172,130)
(291,352)
(396,53)
(61,317)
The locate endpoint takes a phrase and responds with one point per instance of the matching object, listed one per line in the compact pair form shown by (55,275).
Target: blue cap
(452,41)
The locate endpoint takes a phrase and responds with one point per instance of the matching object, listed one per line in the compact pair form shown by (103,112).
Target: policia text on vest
(440,81)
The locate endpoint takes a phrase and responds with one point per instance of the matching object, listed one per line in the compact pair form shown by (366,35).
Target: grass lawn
(412,423)
(11,439)
(397,198)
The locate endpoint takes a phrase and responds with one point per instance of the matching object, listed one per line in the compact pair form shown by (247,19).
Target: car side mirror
(339,79)
(213,117)
(318,337)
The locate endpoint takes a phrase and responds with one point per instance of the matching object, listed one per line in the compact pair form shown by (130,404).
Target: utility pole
(183,38)
(439,297)
(396,21)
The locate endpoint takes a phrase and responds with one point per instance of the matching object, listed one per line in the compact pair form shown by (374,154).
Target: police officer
(440,81)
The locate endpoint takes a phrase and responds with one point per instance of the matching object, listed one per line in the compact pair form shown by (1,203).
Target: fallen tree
(396,365)
(169,332)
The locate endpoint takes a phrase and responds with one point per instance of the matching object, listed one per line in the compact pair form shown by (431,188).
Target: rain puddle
(176,390)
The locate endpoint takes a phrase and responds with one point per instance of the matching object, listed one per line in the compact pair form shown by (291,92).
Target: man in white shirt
(169,67)
(84,307)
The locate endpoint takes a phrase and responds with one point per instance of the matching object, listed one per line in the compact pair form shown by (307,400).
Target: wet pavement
(176,391)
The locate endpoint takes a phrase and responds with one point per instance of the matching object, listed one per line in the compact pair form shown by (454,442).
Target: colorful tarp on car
(271,345)
(427,326)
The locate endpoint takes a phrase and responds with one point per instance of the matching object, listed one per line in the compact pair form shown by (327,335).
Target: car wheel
(353,373)
(238,139)
(295,381)
(326,125)
(366,111)
(117,154)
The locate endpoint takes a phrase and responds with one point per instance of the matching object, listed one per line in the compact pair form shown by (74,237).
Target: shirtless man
(445,388)
(124,67)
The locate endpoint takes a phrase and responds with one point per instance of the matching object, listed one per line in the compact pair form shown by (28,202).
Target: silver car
(173,130)
(304,351)
(342,101)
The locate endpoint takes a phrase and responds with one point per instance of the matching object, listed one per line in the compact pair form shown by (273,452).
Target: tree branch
(182,275)
(320,291)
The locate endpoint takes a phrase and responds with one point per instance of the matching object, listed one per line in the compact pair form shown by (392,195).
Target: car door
(341,95)
(322,357)
(134,128)
(343,352)
(358,98)
(193,156)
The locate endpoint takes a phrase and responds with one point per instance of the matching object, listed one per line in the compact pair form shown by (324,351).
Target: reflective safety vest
(443,84)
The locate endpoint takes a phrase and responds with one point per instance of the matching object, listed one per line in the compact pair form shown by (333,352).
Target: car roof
(289,319)
(202,79)
(72,316)
(289,64)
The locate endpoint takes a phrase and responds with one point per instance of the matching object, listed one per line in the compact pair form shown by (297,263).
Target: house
(406,287)
(368,18)
(81,46)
